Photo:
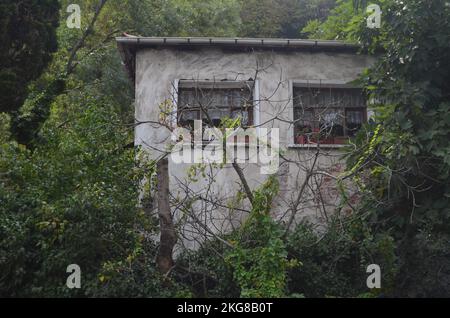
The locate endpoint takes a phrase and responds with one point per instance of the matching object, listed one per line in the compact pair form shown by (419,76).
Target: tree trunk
(164,259)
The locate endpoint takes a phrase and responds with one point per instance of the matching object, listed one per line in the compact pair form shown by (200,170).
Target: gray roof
(129,45)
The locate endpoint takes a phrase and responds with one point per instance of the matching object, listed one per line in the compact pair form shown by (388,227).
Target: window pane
(216,115)
(335,112)
(354,119)
(305,121)
(241,114)
(331,122)
(187,117)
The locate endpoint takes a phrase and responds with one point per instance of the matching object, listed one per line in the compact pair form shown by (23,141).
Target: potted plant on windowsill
(322,137)
(301,140)
(302,136)
(315,136)
(328,140)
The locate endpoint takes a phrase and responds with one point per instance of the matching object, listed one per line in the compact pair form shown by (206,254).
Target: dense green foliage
(72,197)
(67,202)
(310,263)
(281,18)
(402,159)
(260,238)
(337,25)
(408,150)
(334,263)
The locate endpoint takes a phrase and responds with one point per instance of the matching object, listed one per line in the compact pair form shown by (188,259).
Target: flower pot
(301,140)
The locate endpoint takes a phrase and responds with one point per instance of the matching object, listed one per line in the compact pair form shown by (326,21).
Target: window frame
(254,112)
(326,84)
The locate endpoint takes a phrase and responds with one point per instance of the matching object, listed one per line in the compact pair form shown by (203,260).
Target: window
(327,115)
(213,101)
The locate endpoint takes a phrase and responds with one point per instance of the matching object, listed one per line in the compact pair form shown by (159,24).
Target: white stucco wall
(157,69)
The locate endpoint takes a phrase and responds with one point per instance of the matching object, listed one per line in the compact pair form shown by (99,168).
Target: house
(299,90)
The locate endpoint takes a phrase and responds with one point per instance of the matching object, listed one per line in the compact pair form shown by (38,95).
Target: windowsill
(204,144)
(294,146)
(315,146)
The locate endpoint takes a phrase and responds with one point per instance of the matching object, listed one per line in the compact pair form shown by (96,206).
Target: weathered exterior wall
(157,69)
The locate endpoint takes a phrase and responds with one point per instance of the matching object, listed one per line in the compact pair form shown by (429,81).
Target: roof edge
(215,41)
(128,45)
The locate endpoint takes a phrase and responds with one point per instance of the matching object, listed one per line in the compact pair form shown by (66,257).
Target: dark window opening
(328,115)
(212,105)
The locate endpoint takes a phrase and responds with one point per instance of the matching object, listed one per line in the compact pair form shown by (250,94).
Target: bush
(73,200)
(335,261)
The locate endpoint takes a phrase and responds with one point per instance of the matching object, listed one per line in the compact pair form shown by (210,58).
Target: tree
(27,40)
(36,111)
(69,188)
(335,27)
(281,18)
(403,158)
(72,197)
